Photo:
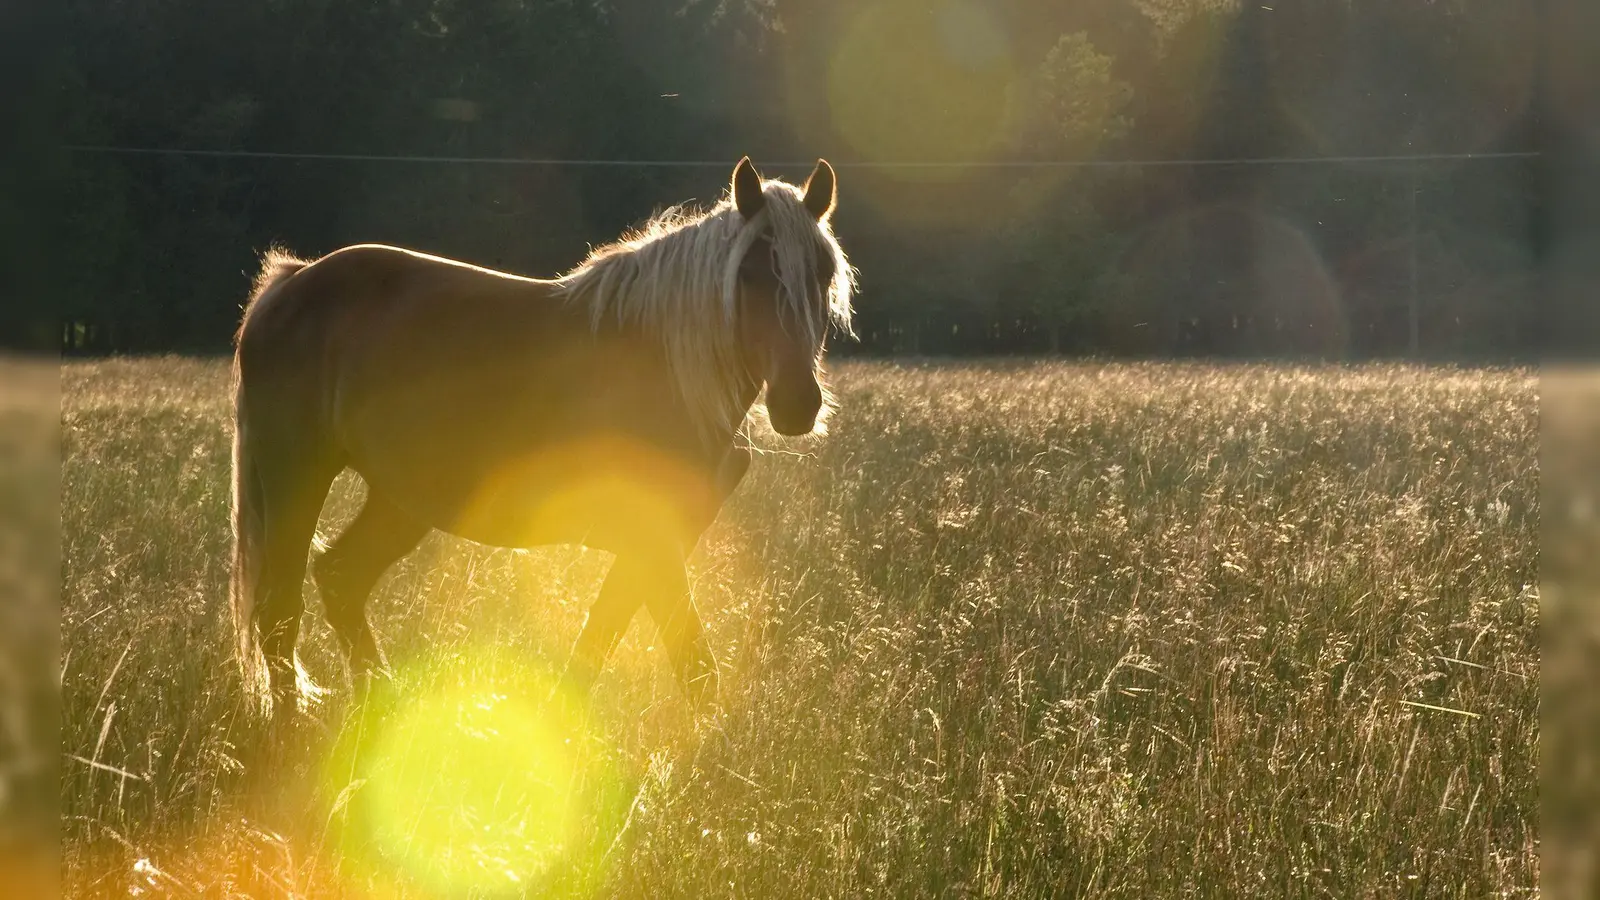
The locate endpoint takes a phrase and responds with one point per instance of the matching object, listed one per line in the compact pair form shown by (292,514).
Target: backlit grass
(1032,630)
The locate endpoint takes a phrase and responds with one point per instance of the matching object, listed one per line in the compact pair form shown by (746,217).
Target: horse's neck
(630,347)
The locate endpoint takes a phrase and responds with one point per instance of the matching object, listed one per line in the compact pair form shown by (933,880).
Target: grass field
(1011,631)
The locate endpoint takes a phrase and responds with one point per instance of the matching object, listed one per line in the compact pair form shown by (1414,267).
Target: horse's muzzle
(793,412)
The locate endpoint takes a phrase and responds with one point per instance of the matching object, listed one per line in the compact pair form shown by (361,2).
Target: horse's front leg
(656,580)
(673,609)
(683,634)
(659,582)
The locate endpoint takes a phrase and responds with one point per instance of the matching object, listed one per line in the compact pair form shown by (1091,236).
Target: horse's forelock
(800,241)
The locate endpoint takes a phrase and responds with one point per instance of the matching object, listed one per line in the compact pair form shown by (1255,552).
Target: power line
(718,164)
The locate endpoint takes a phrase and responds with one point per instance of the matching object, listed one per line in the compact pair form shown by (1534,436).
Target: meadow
(1017,629)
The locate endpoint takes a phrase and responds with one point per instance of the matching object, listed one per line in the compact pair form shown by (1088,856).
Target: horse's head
(794,282)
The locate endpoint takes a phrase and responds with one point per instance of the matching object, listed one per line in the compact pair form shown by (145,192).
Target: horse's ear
(747,196)
(822,190)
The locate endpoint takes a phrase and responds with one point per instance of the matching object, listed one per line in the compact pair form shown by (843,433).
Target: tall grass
(1022,630)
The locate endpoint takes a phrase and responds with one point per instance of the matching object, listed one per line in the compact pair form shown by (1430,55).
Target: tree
(155,252)
(1076,113)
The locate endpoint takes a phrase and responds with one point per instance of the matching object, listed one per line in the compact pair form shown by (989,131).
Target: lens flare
(920,83)
(484,780)
(1250,279)
(608,491)
(910,82)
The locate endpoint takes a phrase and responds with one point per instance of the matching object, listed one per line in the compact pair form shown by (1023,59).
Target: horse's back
(468,394)
(378,300)
(368,260)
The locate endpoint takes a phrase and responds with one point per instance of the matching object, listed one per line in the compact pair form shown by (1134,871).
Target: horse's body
(455,381)
(599,408)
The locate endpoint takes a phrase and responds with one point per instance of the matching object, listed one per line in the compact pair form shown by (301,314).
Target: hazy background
(1104,176)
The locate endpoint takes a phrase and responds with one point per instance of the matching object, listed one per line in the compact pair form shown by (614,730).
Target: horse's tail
(277,264)
(247,527)
(248,502)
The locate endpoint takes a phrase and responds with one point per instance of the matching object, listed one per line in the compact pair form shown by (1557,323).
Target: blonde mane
(678,278)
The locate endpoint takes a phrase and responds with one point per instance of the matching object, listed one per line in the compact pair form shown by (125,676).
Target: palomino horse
(603,408)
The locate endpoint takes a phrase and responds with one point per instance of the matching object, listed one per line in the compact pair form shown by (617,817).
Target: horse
(606,407)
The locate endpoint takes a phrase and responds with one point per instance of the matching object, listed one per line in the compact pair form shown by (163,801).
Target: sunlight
(607,490)
(912,82)
(480,781)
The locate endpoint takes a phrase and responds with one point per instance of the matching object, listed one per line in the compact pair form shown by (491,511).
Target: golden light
(606,490)
(918,81)
(914,82)
(484,779)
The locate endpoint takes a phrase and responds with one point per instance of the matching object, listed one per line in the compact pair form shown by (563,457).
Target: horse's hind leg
(293,501)
(346,572)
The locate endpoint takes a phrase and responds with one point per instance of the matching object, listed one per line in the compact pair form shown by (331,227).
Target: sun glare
(480,781)
(912,82)
(915,83)
(608,491)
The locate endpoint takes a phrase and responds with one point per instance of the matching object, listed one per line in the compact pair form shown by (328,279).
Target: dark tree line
(1123,251)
